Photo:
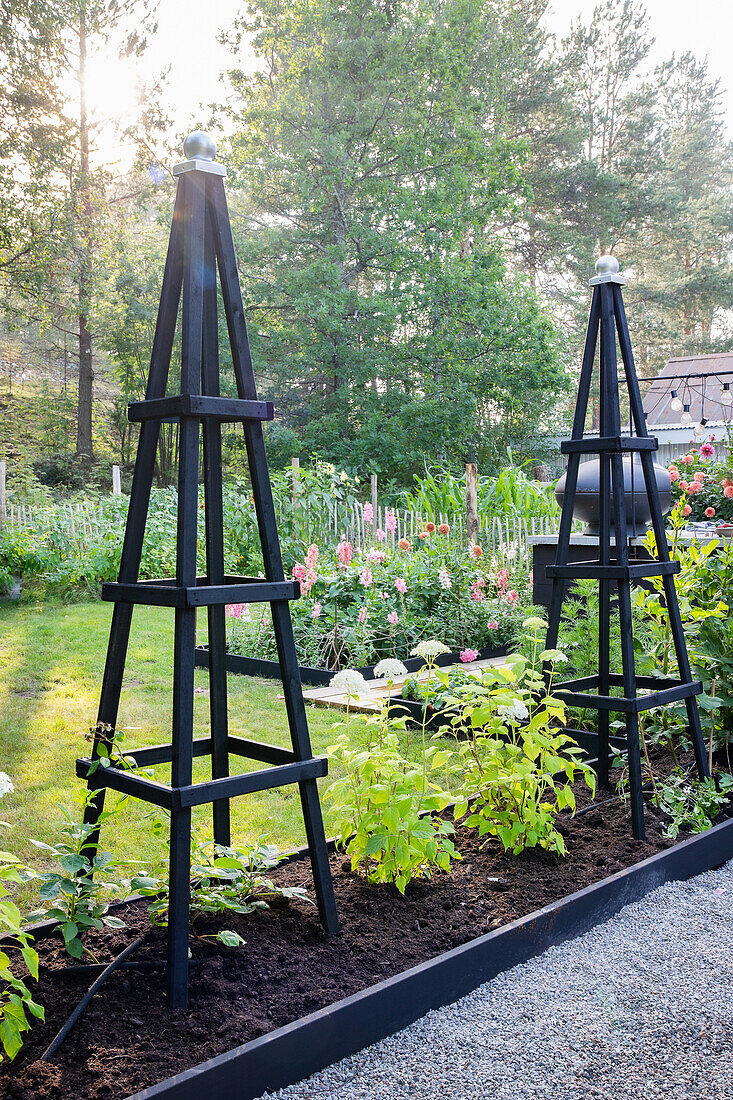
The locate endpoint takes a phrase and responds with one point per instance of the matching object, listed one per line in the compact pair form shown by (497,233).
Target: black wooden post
(606,324)
(200,241)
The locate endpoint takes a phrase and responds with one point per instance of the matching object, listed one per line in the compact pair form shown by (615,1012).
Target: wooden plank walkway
(371,702)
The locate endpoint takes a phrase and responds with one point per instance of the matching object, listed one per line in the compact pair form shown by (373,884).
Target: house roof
(702,394)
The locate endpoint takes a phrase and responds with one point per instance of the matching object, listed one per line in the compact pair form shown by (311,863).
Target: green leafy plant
(388,809)
(224,880)
(387,812)
(79,893)
(691,804)
(16,1000)
(513,766)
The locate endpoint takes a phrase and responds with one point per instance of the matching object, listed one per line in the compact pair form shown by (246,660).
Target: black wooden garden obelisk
(201,240)
(606,324)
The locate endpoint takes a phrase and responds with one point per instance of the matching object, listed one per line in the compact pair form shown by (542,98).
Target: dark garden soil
(127,1039)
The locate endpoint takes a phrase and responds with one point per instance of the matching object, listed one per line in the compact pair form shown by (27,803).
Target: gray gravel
(640,1008)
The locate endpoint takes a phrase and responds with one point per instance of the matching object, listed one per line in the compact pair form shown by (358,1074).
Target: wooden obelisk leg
(119,635)
(604,557)
(185,617)
(660,534)
(267,524)
(215,545)
(610,398)
(571,479)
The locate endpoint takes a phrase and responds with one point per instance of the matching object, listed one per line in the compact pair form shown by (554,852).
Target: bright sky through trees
(186,44)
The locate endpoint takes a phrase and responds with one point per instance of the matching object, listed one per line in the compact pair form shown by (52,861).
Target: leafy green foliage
(691,804)
(388,811)
(386,319)
(224,880)
(439,491)
(513,767)
(79,893)
(16,1000)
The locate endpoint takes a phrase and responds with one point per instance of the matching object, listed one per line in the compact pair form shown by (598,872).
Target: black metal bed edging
(321,677)
(308,1045)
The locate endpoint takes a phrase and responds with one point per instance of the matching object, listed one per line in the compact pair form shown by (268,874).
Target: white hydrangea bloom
(430,649)
(389,669)
(349,681)
(6,784)
(535,623)
(516,710)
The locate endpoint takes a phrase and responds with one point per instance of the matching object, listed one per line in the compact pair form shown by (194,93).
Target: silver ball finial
(606,265)
(199,146)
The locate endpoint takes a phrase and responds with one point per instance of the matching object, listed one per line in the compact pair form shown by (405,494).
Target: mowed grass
(51,664)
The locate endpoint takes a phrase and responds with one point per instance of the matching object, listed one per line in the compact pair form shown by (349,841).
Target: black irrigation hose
(97,968)
(61,1035)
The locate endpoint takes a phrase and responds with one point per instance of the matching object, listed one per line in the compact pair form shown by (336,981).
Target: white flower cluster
(430,649)
(535,623)
(389,669)
(349,681)
(6,784)
(516,709)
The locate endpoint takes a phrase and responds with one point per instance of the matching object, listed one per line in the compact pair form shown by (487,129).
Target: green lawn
(51,662)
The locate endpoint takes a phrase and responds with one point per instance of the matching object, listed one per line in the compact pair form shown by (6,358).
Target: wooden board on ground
(371,702)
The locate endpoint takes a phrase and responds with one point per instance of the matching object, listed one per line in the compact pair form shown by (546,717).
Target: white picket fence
(494,531)
(80,518)
(497,535)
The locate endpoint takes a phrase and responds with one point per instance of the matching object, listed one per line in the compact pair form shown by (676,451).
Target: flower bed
(702,486)
(360,606)
(259,1017)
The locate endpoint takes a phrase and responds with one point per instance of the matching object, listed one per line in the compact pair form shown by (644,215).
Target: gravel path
(640,1008)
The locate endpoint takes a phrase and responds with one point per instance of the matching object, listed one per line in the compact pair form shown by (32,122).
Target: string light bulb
(702,424)
(726,397)
(686,418)
(676,402)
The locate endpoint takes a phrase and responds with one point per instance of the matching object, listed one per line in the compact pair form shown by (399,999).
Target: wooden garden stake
(200,243)
(607,324)
(472,503)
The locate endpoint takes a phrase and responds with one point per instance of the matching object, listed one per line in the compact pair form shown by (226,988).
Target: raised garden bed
(321,677)
(292,1001)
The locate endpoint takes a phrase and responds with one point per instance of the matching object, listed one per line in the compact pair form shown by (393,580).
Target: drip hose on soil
(61,1035)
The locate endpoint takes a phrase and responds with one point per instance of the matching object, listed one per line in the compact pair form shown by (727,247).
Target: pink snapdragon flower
(390,520)
(444,579)
(362,616)
(512,597)
(368,513)
(493,625)
(401,585)
(376,556)
(502,579)
(380,534)
(236,610)
(365,577)
(299,572)
(468,655)
(393,618)
(345,553)
(316,612)
(311,556)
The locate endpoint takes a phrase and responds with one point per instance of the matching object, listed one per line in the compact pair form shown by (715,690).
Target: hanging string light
(703,422)
(726,397)
(676,402)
